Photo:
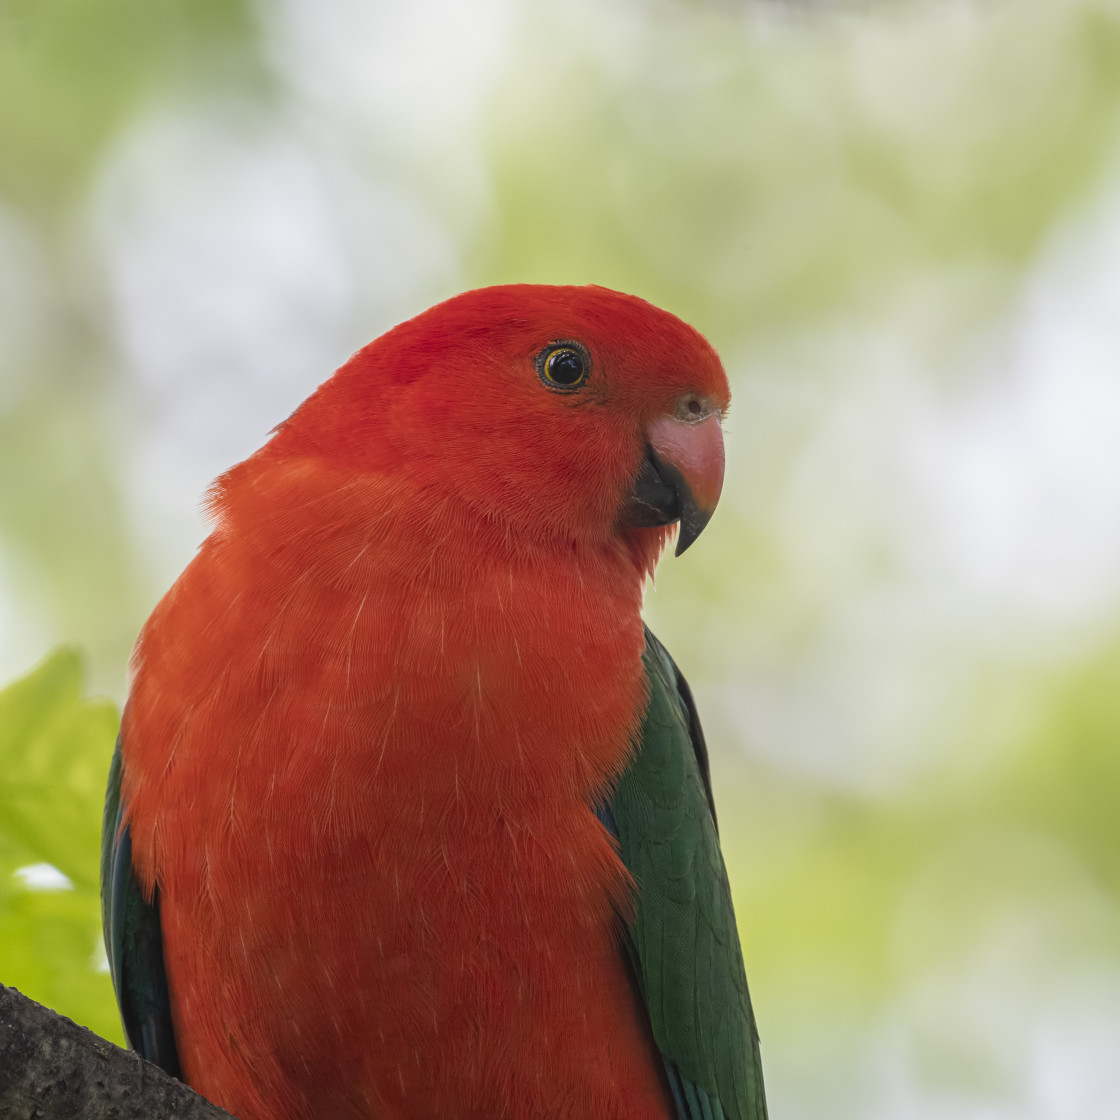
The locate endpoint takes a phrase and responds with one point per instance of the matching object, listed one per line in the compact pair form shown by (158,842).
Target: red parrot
(410,816)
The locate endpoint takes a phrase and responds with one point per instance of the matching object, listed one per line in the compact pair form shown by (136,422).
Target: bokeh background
(900,225)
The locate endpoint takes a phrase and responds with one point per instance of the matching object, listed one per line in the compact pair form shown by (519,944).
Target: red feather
(368,721)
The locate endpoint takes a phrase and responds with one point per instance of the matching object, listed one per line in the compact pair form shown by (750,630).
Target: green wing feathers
(685,945)
(133,938)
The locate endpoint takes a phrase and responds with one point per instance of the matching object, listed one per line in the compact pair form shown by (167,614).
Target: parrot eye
(563,366)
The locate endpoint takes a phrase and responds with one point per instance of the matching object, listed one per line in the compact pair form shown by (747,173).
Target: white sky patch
(399,68)
(933,520)
(245,263)
(403,86)
(1011,1044)
(1019,474)
(43,877)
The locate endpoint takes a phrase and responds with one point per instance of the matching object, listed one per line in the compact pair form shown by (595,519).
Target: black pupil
(565,367)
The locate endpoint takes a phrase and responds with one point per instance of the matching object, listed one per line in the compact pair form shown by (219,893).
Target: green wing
(133,938)
(683,942)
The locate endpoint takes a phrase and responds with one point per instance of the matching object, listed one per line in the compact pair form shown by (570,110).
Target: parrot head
(571,414)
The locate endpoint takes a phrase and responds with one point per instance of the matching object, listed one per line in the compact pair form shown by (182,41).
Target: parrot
(410,814)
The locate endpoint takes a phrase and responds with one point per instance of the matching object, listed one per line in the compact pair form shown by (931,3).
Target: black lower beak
(653,499)
(661,496)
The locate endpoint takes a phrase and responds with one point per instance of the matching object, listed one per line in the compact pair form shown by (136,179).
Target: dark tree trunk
(51,1069)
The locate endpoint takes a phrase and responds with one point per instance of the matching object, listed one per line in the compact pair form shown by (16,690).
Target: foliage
(54,756)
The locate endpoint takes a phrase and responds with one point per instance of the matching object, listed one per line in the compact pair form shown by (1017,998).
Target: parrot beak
(681,476)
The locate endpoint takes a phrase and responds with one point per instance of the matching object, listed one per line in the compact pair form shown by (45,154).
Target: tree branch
(52,1069)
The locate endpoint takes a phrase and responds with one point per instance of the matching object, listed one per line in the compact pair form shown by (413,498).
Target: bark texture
(50,1069)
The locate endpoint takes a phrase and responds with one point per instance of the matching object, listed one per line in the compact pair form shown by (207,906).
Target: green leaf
(55,747)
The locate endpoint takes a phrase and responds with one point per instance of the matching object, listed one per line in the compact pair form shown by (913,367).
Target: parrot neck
(345,624)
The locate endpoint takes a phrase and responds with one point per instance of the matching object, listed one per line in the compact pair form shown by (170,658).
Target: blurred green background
(900,225)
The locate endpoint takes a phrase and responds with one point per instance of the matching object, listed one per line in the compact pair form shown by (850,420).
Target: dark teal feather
(133,939)
(683,943)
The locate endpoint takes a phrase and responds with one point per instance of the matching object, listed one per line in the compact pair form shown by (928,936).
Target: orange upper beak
(681,476)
